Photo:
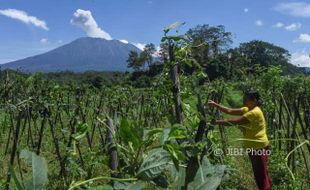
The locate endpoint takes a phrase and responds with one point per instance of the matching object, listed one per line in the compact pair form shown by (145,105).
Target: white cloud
(59,41)
(298,9)
(303,38)
(259,23)
(301,59)
(278,25)
(85,20)
(139,45)
(44,40)
(293,26)
(246,10)
(124,41)
(290,27)
(24,17)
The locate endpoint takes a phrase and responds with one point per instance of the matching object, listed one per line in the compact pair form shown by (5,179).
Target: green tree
(264,53)
(209,41)
(134,61)
(148,53)
(209,44)
(137,61)
(163,52)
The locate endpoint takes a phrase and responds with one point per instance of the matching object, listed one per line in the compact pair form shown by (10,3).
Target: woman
(252,122)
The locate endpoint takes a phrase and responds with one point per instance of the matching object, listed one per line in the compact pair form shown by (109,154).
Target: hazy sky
(30,27)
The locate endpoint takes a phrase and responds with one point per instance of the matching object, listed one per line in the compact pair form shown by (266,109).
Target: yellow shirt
(254,131)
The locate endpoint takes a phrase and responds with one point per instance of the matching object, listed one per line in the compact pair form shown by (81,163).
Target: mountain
(307,69)
(83,54)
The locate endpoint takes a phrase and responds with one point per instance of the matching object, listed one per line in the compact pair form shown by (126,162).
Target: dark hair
(253,95)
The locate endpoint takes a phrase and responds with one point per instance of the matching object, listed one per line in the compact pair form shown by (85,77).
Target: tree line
(212,50)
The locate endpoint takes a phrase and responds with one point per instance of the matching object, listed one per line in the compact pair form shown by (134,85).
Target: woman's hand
(212,103)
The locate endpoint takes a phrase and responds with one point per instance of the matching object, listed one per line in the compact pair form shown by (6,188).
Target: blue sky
(30,27)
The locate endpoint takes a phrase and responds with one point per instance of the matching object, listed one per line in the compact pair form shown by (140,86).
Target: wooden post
(61,160)
(193,165)
(14,148)
(43,122)
(112,150)
(176,88)
(280,124)
(304,131)
(298,138)
(273,114)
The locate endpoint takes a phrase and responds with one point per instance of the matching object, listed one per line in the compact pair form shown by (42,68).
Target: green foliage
(128,186)
(264,53)
(208,176)
(137,60)
(101,187)
(175,25)
(175,153)
(214,39)
(178,177)
(131,133)
(39,172)
(67,112)
(148,53)
(19,185)
(154,164)
(81,131)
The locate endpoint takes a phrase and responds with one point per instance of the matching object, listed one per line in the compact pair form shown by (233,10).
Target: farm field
(154,95)
(70,134)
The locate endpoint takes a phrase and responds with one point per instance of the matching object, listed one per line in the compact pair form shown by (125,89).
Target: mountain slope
(80,55)
(307,69)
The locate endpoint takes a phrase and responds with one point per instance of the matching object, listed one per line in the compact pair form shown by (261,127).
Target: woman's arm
(230,111)
(233,121)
